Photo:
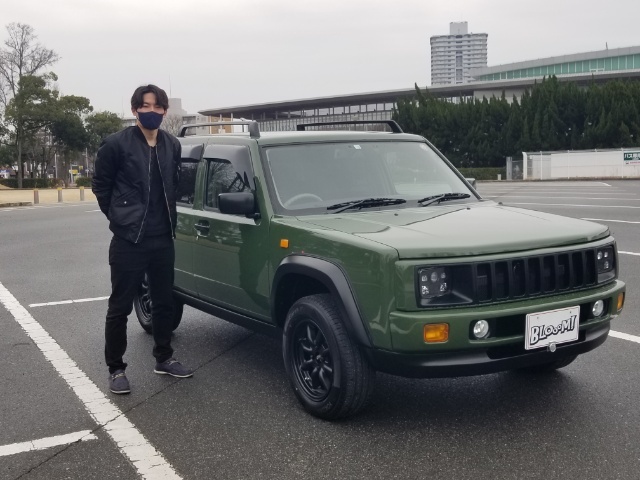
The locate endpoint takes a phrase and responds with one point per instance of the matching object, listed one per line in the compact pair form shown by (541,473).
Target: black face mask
(150,120)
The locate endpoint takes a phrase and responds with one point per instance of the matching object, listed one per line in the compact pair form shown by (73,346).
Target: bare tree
(172,123)
(21,57)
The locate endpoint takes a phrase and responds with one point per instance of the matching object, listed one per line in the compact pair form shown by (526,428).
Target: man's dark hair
(161,96)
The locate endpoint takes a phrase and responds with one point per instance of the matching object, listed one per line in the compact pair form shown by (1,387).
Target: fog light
(598,308)
(436,332)
(481,329)
(620,301)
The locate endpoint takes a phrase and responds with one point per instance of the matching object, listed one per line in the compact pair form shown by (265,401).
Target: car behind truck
(367,251)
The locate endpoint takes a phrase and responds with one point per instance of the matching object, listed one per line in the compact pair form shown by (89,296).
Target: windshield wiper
(365,203)
(443,197)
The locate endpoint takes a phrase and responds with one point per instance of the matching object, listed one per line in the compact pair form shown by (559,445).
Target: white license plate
(554,326)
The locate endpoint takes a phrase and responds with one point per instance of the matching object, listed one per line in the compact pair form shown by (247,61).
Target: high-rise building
(453,56)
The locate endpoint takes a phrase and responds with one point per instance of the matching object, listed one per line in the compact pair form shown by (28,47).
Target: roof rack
(392,124)
(254,130)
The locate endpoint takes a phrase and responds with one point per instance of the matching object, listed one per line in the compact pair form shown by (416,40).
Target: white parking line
(587,197)
(543,184)
(625,336)
(629,253)
(44,443)
(607,220)
(570,205)
(145,458)
(66,302)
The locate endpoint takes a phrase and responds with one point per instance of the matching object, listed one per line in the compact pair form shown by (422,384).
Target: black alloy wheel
(328,372)
(312,363)
(142,306)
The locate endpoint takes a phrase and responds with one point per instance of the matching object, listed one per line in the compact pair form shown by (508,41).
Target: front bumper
(459,364)
(463,355)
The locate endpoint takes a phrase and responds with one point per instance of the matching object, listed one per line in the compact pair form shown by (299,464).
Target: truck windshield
(315,176)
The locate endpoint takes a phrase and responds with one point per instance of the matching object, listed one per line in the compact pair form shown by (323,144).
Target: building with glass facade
(614,60)
(512,80)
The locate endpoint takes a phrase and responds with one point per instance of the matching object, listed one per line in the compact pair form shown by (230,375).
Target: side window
(191,155)
(187,185)
(228,170)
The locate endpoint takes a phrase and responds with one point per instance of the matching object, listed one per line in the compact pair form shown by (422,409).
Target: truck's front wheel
(142,307)
(329,375)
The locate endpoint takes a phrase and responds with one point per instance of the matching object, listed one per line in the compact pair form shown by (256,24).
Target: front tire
(550,366)
(142,307)
(329,374)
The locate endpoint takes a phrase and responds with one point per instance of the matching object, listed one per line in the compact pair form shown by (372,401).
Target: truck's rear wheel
(142,307)
(330,376)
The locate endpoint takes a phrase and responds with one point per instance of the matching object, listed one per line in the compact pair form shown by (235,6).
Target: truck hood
(460,230)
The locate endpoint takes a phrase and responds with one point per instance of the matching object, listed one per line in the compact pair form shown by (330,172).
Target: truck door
(185,239)
(230,263)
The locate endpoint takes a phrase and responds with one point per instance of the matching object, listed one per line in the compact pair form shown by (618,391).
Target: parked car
(368,251)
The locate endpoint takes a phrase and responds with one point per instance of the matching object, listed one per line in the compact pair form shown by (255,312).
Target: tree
(22,57)
(551,115)
(68,130)
(99,126)
(172,123)
(29,111)
(6,156)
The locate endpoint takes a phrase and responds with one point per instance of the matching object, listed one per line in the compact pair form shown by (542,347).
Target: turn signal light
(436,332)
(620,300)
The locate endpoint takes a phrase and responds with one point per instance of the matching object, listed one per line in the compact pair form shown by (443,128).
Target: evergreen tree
(552,115)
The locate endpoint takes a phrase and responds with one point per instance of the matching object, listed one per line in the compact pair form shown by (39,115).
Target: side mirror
(237,203)
(472,181)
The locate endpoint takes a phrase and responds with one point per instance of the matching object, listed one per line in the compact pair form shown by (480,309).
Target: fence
(514,169)
(619,163)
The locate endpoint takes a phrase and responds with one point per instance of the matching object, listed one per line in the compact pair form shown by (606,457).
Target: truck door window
(191,155)
(228,170)
(187,184)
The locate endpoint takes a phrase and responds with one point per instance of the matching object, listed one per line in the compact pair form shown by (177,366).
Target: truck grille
(534,276)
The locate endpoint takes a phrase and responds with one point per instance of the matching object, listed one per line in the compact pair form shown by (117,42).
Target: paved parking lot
(238,419)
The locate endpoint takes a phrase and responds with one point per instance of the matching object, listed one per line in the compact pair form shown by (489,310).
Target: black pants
(129,261)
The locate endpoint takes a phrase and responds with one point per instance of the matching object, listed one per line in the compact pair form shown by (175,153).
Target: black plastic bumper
(460,364)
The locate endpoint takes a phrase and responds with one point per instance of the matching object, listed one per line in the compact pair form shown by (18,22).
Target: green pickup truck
(367,251)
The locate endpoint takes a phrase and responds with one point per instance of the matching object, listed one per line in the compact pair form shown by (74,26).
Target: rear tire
(142,306)
(550,366)
(329,374)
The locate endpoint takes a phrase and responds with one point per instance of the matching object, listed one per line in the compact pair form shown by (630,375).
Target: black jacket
(121,181)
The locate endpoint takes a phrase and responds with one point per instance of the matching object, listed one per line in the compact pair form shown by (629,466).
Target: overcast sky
(219,53)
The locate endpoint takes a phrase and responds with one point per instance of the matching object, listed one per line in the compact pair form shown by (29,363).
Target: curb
(16,204)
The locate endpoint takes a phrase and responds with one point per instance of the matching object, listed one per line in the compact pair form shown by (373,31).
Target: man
(135,182)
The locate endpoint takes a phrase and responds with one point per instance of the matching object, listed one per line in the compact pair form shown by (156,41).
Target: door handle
(202,228)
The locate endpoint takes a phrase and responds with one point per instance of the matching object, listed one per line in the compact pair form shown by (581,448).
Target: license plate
(554,326)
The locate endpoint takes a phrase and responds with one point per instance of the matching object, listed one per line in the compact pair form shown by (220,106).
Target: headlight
(605,259)
(481,329)
(433,282)
(598,308)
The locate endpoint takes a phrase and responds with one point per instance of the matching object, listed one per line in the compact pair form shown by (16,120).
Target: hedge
(489,173)
(83,182)
(29,182)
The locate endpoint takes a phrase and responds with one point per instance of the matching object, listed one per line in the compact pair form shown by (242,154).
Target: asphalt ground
(237,417)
